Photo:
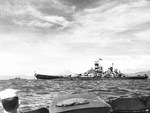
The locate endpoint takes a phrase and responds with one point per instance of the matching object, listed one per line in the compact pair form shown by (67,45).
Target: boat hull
(41,76)
(50,77)
(137,77)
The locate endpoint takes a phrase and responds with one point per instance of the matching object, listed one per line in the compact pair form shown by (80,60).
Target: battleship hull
(137,77)
(42,76)
(49,77)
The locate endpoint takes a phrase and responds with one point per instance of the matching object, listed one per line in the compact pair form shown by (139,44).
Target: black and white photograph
(74,56)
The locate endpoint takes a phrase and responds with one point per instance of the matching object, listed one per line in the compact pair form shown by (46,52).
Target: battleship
(95,73)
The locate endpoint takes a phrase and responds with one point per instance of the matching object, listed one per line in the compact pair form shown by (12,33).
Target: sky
(63,36)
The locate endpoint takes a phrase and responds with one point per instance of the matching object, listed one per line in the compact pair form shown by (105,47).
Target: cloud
(79,5)
(24,13)
(143,36)
(117,18)
(103,26)
(116,31)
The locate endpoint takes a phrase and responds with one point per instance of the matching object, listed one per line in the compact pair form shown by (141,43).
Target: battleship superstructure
(98,71)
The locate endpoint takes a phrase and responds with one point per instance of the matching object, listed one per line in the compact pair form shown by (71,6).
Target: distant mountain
(143,72)
(139,73)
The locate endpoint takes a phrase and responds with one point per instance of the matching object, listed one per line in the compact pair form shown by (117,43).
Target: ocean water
(34,94)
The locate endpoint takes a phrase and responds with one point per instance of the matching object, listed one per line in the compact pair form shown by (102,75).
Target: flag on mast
(100,59)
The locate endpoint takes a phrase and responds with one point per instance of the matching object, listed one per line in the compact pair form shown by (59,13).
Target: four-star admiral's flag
(100,59)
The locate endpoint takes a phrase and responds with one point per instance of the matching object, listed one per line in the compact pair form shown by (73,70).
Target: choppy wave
(39,93)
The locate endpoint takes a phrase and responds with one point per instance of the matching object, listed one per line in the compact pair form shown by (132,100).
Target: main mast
(98,68)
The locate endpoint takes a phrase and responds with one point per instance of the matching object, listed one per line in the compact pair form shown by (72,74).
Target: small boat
(79,103)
